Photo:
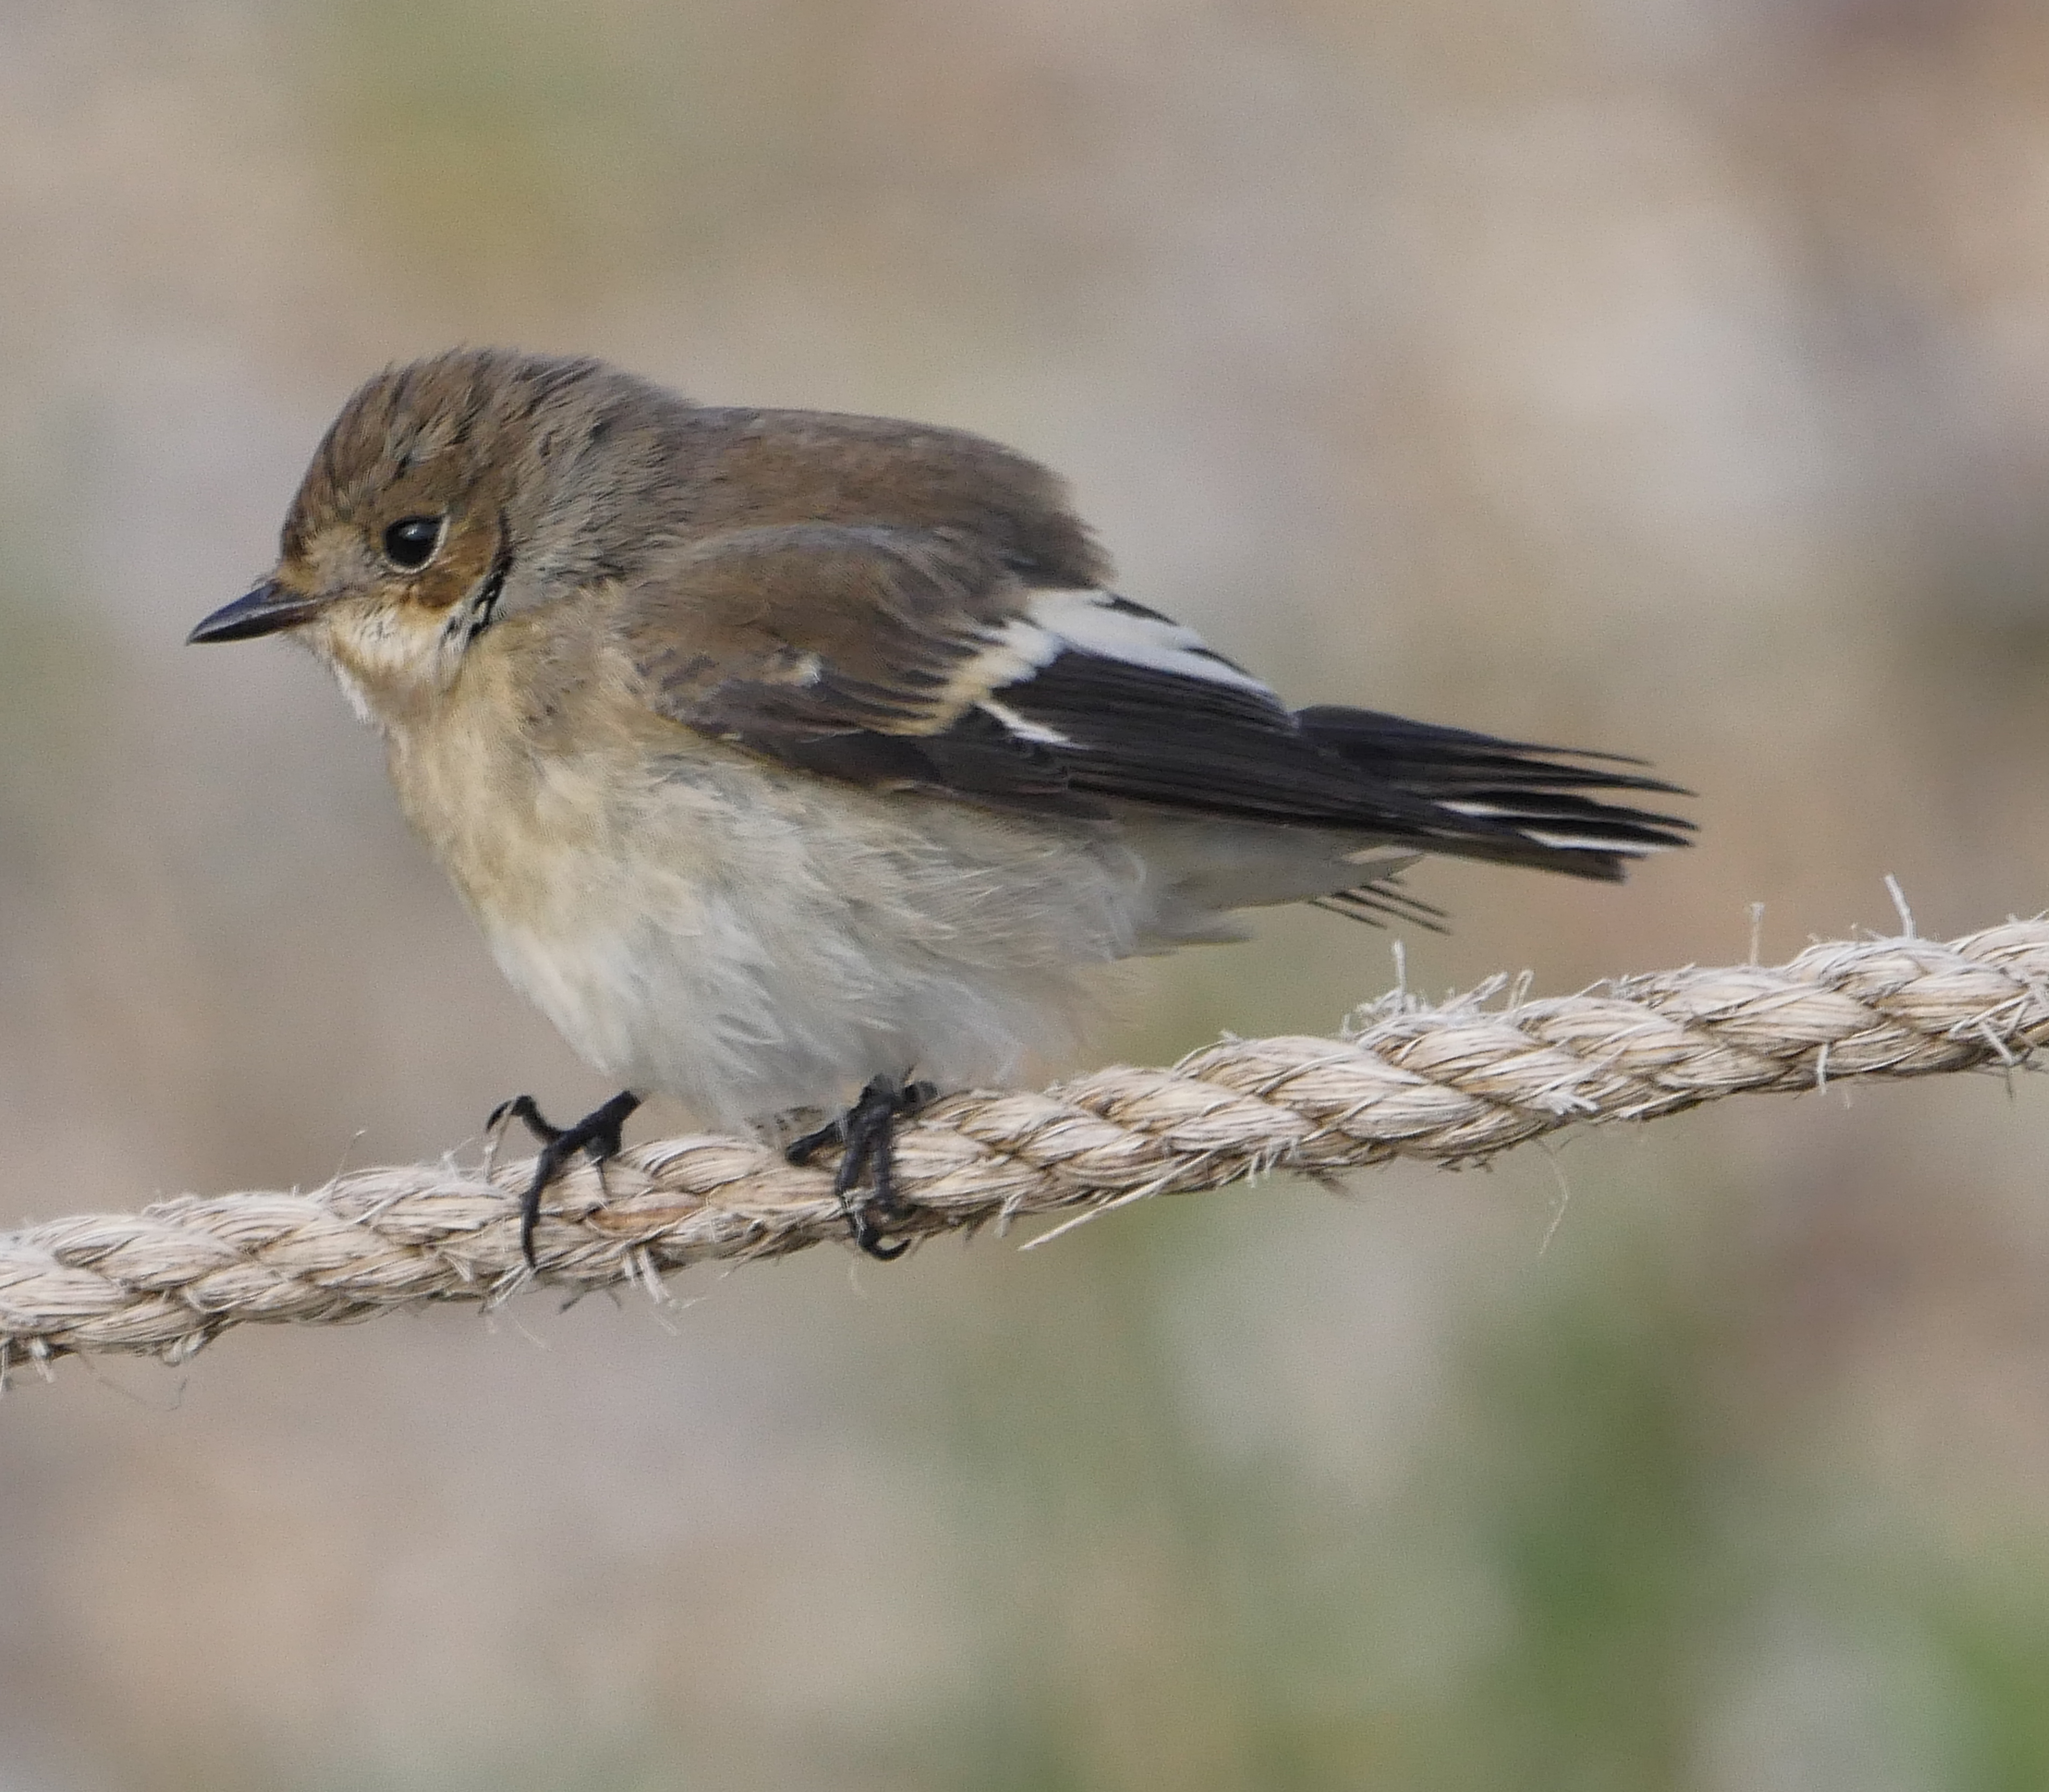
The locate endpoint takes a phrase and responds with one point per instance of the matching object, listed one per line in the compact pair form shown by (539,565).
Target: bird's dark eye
(410,541)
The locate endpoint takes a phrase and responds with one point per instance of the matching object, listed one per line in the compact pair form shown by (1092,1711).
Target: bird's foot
(597,1133)
(867,1130)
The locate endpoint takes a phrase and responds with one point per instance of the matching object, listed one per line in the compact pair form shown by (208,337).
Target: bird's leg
(597,1133)
(867,1130)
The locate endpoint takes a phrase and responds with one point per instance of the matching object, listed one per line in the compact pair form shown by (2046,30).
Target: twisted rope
(1451,1084)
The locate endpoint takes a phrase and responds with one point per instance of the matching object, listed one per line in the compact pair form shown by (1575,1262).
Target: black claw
(867,1130)
(597,1133)
(523,1109)
(802,1150)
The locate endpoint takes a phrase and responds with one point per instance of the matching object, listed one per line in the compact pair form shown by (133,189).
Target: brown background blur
(1670,375)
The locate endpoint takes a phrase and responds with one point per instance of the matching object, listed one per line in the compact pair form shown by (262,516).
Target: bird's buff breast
(701,925)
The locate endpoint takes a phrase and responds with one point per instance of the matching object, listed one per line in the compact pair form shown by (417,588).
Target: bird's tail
(1506,801)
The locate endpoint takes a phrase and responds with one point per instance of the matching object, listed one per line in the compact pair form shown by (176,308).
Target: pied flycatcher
(780,753)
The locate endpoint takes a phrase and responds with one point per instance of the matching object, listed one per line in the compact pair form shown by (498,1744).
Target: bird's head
(448,495)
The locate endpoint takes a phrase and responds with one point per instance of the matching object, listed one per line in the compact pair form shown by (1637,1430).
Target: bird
(797,764)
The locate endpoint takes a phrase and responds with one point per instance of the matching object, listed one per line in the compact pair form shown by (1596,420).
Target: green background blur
(1668,375)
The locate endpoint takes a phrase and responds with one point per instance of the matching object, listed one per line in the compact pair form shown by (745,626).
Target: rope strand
(1450,1084)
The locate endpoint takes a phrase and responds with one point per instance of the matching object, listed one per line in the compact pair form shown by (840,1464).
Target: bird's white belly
(928,939)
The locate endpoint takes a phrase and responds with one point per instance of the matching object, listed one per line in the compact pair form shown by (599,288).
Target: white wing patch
(1015,650)
(1023,728)
(1099,623)
(1095,622)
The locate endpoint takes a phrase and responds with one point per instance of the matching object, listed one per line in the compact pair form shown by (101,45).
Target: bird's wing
(853,651)
(913,659)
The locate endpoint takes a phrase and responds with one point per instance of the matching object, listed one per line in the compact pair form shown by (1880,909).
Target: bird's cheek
(464,563)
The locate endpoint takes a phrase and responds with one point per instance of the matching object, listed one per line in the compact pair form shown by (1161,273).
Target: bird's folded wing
(916,659)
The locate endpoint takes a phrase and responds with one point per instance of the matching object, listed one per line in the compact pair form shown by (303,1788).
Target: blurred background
(1666,375)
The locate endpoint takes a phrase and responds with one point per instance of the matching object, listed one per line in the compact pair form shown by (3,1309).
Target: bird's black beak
(265,611)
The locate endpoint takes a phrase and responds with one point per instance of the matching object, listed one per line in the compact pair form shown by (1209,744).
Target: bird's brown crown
(495,447)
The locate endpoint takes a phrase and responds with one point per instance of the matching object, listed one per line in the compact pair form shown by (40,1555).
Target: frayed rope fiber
(1451,1084)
